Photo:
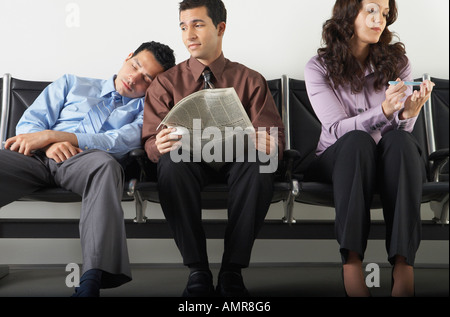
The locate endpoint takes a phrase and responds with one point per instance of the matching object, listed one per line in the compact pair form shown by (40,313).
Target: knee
(251,171)
(358,142)
(106,164)
(399,140)
(166,167)
(169,171)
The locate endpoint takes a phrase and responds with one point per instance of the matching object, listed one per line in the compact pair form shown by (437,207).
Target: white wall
(37,42)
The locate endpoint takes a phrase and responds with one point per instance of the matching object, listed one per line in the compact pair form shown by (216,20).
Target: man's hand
(26,144)
(166,142)
(266,143)
(61,151)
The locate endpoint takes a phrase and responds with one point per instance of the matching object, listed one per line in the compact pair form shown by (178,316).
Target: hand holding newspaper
(219,129)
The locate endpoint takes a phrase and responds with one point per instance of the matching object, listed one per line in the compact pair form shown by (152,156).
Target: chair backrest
(1,97)
(305,127)
(22,95)
(439,104)
(431,128)
(1,93)
(275,87)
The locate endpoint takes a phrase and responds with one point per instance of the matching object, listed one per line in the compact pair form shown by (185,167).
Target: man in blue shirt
(75,135)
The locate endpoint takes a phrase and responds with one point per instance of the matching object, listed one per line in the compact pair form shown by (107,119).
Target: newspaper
(219,108)
(209,115)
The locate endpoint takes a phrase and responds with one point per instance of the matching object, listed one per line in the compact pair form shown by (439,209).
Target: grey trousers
(98,178)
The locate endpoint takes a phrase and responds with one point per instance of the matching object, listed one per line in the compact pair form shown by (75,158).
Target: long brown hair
(387,58)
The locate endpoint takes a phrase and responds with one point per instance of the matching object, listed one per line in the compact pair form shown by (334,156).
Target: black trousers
(250,194)
(358,167)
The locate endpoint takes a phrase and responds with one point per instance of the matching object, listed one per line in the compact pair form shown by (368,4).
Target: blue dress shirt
(65,103)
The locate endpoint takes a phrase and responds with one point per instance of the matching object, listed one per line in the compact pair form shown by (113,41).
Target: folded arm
(58,145)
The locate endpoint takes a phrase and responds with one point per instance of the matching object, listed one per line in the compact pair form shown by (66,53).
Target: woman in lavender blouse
(365,143)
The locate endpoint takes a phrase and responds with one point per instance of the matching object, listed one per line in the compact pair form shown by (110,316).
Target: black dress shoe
(231,284)
(199,285)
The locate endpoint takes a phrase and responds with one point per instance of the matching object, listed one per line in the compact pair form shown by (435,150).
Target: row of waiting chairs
(302,133)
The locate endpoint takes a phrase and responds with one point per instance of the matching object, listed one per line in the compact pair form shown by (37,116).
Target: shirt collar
(109,87)
(216,67)
(369,70)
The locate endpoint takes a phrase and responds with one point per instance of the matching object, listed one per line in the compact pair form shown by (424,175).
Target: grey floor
(289,281)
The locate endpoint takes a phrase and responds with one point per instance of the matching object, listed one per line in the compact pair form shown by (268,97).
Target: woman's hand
(415,102)
(394,95)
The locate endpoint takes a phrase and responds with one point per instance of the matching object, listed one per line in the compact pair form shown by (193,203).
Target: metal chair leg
(440,209)
(4,270)
(289,204)
(141,205)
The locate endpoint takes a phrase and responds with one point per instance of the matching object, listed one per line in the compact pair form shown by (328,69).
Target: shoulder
(244,71)
(241,68)
(170,76)
(63,83)
(405,66)
(315,67)
(174,71)
(73,80)
(314,61)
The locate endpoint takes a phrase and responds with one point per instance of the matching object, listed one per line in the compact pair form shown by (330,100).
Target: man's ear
(129,56)
(221,28)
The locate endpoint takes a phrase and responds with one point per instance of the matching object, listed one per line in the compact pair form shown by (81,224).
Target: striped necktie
(96,117)
(207,77)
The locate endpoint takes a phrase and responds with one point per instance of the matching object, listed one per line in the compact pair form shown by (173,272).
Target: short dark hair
(163,53)
(216,9)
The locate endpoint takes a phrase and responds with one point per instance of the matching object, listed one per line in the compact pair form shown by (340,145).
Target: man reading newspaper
(202,24)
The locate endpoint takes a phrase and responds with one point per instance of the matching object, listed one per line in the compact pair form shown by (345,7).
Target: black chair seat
(321,194)
(214,196)
(60,195)
(52,194)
